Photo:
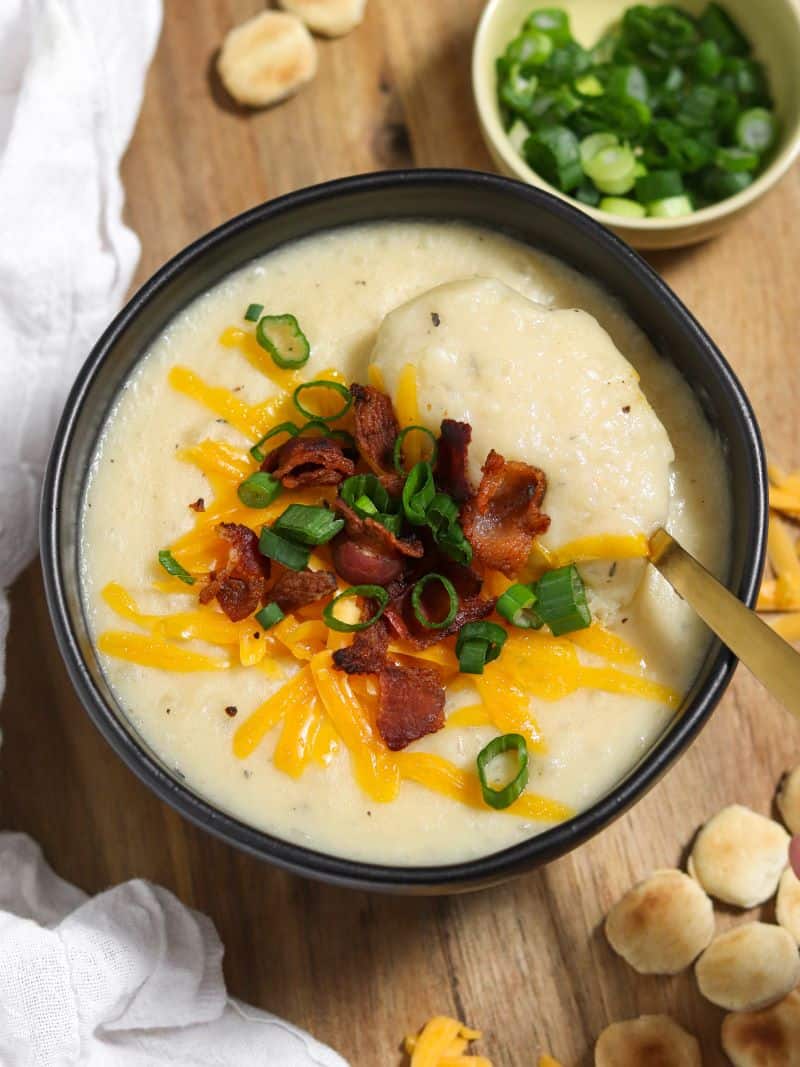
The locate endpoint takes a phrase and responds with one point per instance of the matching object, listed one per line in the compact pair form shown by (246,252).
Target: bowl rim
(483,92)
(297,859)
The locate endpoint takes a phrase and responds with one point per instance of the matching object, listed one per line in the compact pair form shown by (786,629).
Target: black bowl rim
(469,874)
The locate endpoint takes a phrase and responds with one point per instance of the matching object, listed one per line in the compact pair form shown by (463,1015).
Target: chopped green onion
(308,524)
(259,490)
(316,424)
(552,21)
(455,545)
(283,550)
(397,453)
(718,184)
(418,491)
(442,512)
(756,130)
(708,60)
(613,170)
(673,207)
(488,635)
(554,153)
(367,496)
(504,797)
(658,185)
(736,159)
(368,592)
(365,505)
(283,427)
(717,24)
(282,337)
(561,600)
(171,566)
(516,606)
(335,387)
(628,83)
(529,50)
(472,657)
(617,205)
(518,89)
(253,313)
(589,85)
(269,616)
(594,143)
(416,602)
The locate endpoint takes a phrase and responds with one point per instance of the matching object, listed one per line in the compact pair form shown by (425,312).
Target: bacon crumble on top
(451,461)
(240,586)
(367,653)
(376,430)
(308,461)
(296,589)
(410,704)
(502,519)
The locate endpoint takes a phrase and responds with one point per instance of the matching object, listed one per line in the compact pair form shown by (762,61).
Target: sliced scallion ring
(269,616)
(505,796)
(368,592)
(259,490)
(398,446)
(283,427)
(516,606)
(171,566)
(416,602)
(282,337)
(612,169)
(334,387)
(308,524)
(418,492)
(488,635)
(253,313)
(756,130)
(283,550)
(561,600)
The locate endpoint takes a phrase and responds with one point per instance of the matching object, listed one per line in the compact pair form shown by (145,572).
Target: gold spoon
(771,659)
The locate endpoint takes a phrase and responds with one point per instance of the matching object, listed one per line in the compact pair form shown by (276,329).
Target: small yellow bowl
(773,27)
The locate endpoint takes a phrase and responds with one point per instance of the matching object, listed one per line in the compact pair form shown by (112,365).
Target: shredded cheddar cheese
(408,412)
(548,1061)
(601,547)
(151,651)
(443,1042)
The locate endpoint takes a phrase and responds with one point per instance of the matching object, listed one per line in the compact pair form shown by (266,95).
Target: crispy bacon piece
(404,623)
(451,461)
(367,654)
(502,519)
(308,461)
(240,587)
(295,589)
(376,430)
(410,704)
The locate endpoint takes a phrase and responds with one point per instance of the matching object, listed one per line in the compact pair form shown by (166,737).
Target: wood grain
(527,961)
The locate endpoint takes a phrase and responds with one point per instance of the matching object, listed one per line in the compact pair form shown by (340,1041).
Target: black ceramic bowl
(533,217)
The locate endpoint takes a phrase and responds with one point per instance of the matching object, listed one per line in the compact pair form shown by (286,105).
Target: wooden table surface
(527,962)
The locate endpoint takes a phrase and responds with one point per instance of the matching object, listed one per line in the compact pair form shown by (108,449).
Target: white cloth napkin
(131,978)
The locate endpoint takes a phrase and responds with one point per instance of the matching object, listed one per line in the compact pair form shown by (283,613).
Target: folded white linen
(130,978)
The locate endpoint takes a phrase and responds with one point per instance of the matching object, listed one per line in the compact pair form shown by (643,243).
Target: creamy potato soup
(553,378)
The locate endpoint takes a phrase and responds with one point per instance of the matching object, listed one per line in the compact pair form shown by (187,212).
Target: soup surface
(547,369)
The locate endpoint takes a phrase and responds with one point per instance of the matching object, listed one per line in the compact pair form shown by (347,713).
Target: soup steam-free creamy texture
(538,381)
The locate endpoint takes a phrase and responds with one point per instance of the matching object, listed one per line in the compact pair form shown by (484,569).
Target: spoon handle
(771,659)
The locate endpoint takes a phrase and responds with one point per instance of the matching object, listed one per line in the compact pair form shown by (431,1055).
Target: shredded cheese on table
(318,711)
(781,591)
(443,1042)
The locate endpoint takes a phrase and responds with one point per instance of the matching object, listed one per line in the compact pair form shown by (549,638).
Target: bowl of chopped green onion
(662,121)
